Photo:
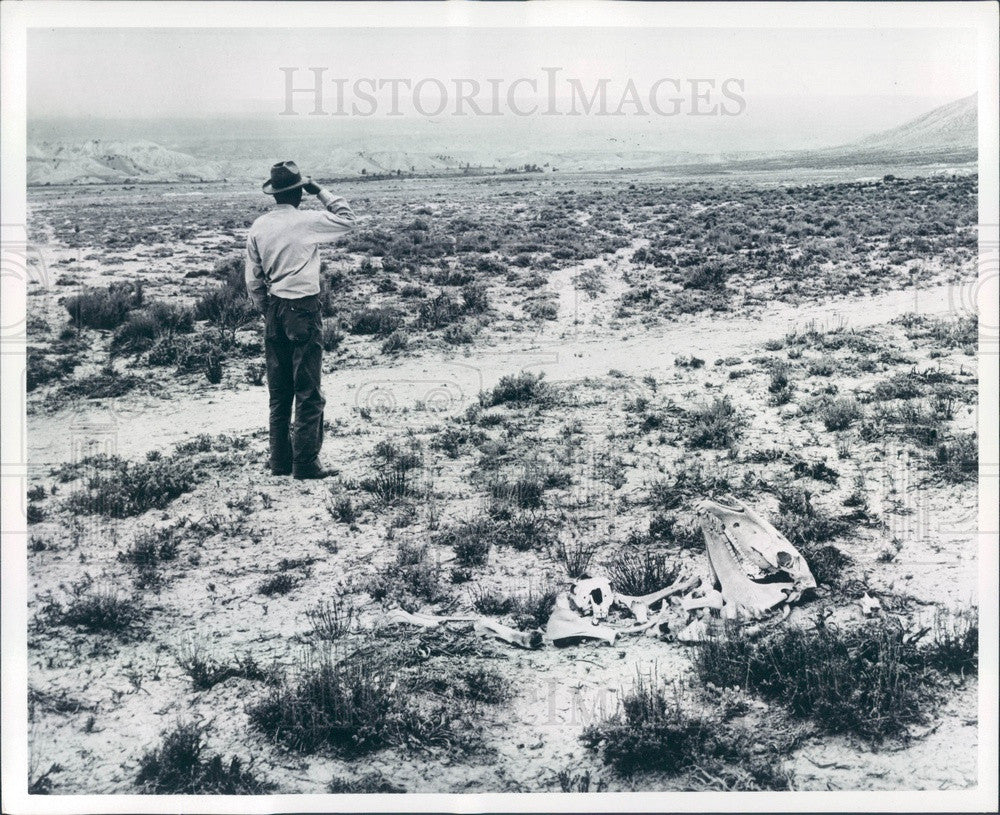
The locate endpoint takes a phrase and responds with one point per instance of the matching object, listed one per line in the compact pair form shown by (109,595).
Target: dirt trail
(447,382)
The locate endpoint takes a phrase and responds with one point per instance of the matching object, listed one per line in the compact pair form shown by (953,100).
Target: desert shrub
(458,334)
(396,341)
(332,336)
(542,310)
(899,386)
(213,369)
(95,609)
(106,308)
(120,489)
(475,299)
(439,312)
(653,732)
(491,266)
(152,547)
(393,467)
(371,321)
(135,335)
(519,389)
(530,609)
(954,644)
(521,531)
(367,783)
(527,492)
(827,563)
(957,459)
(635,571)
(180,766)
(451,440)
(865,680)
(805,524)
(206,672)
(277,585)
(840,413)
(342,507)
(908,420)
(820,367)
(412,579)
(225,307)
(171,318)
(715,426)
(575,556)
(352,707)
(471,540)
(332,619)
(961,332)
(780,385)
(711,275)
(255,373)
(41,369)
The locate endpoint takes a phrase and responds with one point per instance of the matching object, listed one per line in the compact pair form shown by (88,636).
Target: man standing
(282,275)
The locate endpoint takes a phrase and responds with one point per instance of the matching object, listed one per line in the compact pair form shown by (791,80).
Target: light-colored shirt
(283,248)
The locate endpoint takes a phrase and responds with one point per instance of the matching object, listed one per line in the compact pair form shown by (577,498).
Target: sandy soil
(117,697)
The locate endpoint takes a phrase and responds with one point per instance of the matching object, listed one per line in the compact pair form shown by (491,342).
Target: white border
(17,17)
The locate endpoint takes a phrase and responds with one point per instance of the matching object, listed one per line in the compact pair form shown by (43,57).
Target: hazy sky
(175,72)
(802,87)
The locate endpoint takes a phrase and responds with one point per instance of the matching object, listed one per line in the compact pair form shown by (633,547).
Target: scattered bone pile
(755,575)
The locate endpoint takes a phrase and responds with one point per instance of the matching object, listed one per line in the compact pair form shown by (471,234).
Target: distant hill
(946,134)
(106,161)
(950,127)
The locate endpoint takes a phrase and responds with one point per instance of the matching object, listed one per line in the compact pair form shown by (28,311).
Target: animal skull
(593,595)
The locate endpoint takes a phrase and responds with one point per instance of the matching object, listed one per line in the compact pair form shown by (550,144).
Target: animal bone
(398,615)
(696,631)
(640,612)
(869,605)
(711,599)
(593,595)
(491,628)
(656,596)
(566,627)
(744,551)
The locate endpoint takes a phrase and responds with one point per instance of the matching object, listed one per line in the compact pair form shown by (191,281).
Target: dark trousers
(293,350)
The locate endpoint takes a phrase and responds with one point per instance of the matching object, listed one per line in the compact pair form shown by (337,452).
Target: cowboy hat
(285,176)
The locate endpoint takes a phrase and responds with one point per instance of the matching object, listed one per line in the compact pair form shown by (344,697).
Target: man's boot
(312,470)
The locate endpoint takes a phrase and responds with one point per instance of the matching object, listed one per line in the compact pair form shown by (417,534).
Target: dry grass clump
(106,307)
(95,609)
(381,321)
(528,610)
(956,459)
(654,731)
(871,680)
(804,523)
(413,579)
(180,766)
(518,389)
(332,619)
(636,571)
(356,706)
(206,672)
(575,556)
(394,465)
(368,783)
(840,413)
(715,426)
(118,488)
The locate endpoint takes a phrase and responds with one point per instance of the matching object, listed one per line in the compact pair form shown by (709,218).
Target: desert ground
(529,377)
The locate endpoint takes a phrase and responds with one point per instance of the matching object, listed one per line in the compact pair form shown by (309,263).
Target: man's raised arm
(338,220)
